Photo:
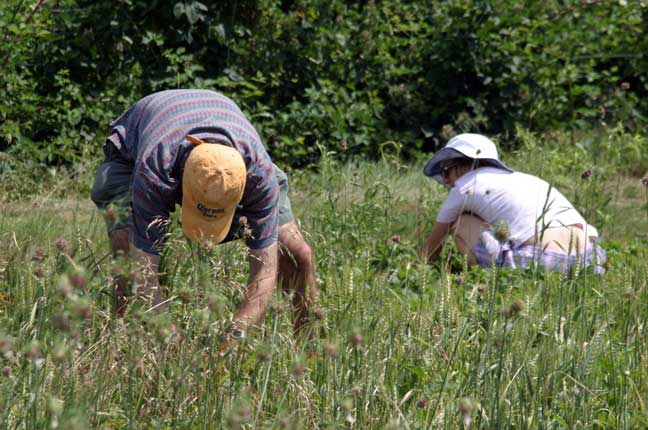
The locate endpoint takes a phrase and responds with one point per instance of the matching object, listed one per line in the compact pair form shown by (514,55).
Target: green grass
(400,344)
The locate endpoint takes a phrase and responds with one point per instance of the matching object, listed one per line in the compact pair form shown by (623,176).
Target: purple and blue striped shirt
(152,134)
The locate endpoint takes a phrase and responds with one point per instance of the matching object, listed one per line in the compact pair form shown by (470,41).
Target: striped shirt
(152,134)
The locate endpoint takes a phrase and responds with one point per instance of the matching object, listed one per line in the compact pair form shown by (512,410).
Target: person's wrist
(234,333)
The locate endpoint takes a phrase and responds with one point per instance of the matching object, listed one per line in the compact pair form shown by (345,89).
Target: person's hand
(231,339)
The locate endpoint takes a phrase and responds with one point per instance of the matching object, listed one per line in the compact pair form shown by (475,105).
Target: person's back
(526,204)
(162,120)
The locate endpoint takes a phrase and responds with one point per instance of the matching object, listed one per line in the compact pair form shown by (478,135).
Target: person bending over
(500,217)
(195,148)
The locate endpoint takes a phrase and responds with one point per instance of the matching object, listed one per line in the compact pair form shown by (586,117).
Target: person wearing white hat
(501,217)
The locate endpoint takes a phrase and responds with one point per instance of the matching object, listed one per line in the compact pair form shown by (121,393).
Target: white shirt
(526,203)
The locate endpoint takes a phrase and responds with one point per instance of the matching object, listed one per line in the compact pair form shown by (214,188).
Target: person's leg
(111,194)
(120,245)
(467,232)
(296,271)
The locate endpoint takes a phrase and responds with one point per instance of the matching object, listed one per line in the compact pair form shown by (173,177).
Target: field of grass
(397,344)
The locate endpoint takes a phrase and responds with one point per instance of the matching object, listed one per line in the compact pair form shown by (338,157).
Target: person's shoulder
(490,170)
(481,174)
(528,177)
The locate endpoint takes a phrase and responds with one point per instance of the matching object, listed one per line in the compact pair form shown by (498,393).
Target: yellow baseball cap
(212,186)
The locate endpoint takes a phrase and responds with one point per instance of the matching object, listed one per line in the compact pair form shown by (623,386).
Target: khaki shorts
(112,192)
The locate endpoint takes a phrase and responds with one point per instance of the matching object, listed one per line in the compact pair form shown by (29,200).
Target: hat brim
(433,166)
(198,228)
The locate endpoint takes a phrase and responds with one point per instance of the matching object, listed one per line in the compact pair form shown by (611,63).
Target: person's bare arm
(261,286)
(434,243)
(146,276)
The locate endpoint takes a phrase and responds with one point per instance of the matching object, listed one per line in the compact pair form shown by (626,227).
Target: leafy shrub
(346,75)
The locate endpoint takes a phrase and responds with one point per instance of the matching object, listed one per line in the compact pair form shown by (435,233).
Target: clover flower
(501,231)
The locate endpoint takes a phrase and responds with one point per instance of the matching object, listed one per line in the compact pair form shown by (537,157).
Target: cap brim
(199,228)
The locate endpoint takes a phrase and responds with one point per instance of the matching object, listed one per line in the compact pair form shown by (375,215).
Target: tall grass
(399,344)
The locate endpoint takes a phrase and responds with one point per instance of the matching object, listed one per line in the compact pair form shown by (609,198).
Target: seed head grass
(394,343)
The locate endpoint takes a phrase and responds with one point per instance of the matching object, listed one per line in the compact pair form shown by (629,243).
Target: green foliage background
(338,75)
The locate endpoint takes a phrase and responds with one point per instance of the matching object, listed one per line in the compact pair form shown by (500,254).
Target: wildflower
(77,279)
(38,255)
(83,310)
(185,295)
(264,354)
(62,245)
(422,404)
(212,302)
(33,350)
(330,350)
(299,369)
(501,231)
(517,306)
(6,346)
(59,354)
(466,407)
(356,339)
(514,309)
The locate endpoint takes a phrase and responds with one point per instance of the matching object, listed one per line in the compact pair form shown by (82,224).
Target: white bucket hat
(468,145)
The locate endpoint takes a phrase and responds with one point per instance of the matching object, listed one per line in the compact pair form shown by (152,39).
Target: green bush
(342,74)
